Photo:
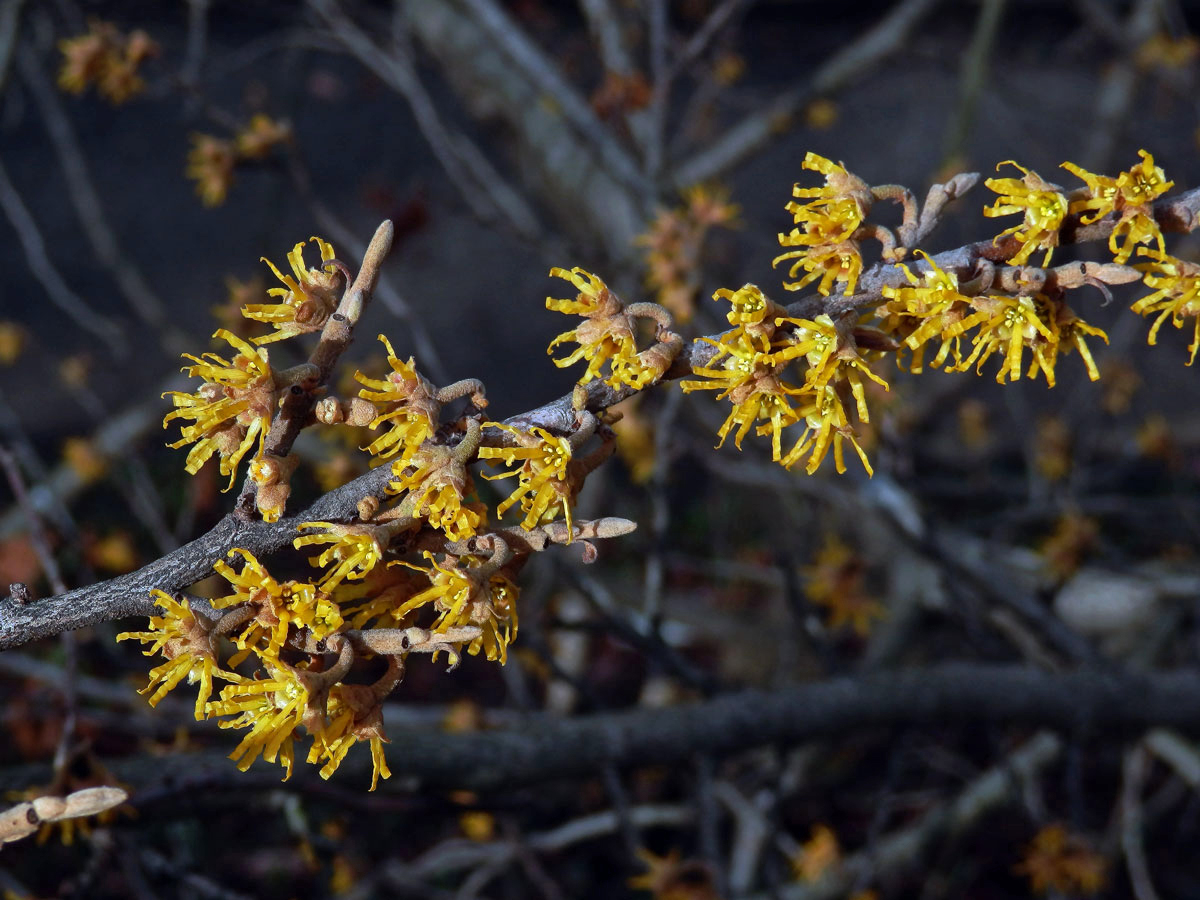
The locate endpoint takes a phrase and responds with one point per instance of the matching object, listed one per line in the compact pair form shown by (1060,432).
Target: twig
(1133,778)
(88,207)
(756,130)
(10,19)
(47,275)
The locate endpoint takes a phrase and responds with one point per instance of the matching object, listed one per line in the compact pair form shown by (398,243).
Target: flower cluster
(106,58)
(307,299)
(826,230)
(931,307)
(1176,295)
(749,370)
(607,333)
(1129,196)
(1043,205)
(212,160)
(406,401)
(674,243)
(231,410)
(543,463)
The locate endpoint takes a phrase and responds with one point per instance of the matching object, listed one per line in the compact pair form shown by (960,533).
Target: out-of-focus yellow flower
(84,459)
(1176,295)
(186,641)
(817,855)
(261,136)
(409,406)
(1162,51)
(606,335)
(821,114)
(834,581)
(210,165)
(728,68)
(1059,861)
(477,825)
(1074,536)
(230,410)
(115,552)
(1052,449)
(672,878)
(1131,197)
(107,58)
(12,342)
(1043,205)
(635,439)
(540,462)
(307,299)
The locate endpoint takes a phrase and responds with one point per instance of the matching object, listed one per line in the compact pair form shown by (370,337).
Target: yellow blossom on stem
(1006,324)
(410,406)
(1070,332)
(1131,197)
(437,484)
(934,301)
(354,550)
(826,425)
(749,378)
(354,715)
(186,641)
(605,336)
(276,605)
(307,299)
(272,708)
(541,460)
(467,595)
(838,207)
(1176,295)
(749,305)
(230,410)
(829,262)
(1043,205)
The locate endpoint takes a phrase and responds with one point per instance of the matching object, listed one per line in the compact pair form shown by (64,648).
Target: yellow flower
(1007,324)
(1057,860)
(437,484)
(12,342)
(817,855)
(935,302)
(106,58)
(277,606)
(186,641)
(354,715)
(210,164)
(354,549)
(257,139)
(749,305)
(826,227)
(749,377)
(410,406)
(606,335)
(231,408)
(272,708)
(462,596)
(1043,205)
(1131,196)
(307,299)
(834,581)
(1069,331)
(829,262)
(826,425)
(1177,295)
(541,461)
